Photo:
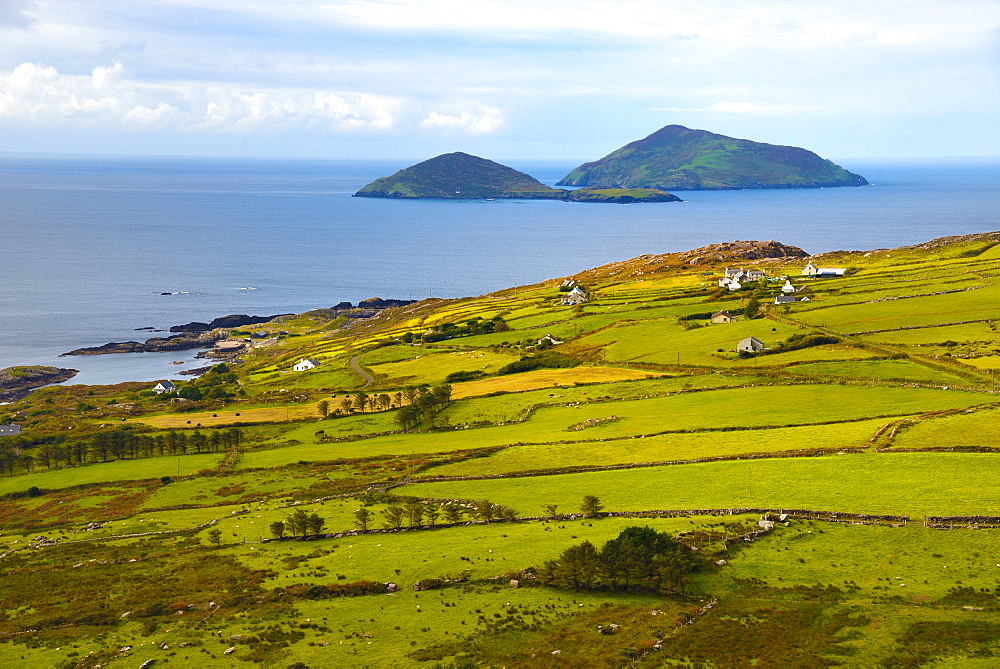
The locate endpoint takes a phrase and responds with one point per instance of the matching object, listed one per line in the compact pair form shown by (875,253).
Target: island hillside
(459,176)
(679,158)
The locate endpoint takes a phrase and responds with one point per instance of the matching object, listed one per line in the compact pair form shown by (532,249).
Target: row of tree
(640,558)
(415,514)
(108,445)
(299,524)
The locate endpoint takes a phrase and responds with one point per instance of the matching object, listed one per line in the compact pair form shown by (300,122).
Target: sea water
(93,248)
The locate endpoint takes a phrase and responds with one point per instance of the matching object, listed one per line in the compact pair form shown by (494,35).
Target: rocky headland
(17,382)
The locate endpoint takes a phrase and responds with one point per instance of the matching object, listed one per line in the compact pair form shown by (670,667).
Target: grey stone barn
(750,345)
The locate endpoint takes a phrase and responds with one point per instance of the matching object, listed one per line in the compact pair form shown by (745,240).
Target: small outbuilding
(164,387)
(305,364)
(750,345)
(784,299)
(723,317)
(549,340)
(9,430)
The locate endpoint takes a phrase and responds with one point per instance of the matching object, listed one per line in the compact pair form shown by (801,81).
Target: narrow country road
(357,368)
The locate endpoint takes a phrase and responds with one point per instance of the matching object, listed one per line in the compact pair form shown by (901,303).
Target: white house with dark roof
(575,296)
(750,345)
(164,387)
(812,270)
(785,299)
(305,364)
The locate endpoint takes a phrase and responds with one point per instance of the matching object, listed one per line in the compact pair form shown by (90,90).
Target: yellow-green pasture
(547,378)
(899,483)
(972,429)
(932,310)
(962,335)
(878,370)
(670,344)
(118,470)
(491,549)
(665,447)
(735,407)
(912,562)
(434,367)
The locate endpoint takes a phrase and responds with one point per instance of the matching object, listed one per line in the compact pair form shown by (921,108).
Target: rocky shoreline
(17,382)
(204,335)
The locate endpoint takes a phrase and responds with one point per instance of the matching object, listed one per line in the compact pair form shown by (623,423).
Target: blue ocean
(93,248)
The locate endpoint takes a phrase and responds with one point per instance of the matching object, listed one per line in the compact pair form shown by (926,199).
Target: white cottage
(164,387)
(305,364)
(575,296)
(723,317)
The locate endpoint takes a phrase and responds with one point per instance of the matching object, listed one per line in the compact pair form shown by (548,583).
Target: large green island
(459,176)
(679,158)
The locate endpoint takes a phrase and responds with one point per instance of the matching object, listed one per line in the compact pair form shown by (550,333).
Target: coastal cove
(97,248)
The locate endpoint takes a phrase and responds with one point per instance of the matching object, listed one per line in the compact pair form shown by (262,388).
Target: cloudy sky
(408,79)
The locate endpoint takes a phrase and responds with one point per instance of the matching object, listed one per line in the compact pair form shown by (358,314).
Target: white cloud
(764,109)
(40,94)
(476,118)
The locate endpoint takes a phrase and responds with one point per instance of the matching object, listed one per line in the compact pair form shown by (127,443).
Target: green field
(903,484)
(115,556)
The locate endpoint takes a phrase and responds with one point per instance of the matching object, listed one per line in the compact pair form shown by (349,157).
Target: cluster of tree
(117,444)
(465,375)
(640,558)
(219,382)
(547,360)
(360,401)
(799,340)
(422,402)
(473,326)
(705,315)
(299,523)
(414,514)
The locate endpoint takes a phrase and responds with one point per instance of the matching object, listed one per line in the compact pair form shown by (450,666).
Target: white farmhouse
(164,387)
(305,364)
(575,296)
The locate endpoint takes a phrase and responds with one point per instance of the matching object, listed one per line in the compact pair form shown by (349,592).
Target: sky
(517,79)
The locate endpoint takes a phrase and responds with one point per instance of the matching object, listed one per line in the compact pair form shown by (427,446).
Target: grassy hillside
(449,448)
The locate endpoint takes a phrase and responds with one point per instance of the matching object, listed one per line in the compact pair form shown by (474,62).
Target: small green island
(460,176)
(679,158)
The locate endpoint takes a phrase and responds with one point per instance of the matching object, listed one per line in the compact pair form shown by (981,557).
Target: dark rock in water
(379,303)
(180,342)
(166,293)
(16,382)
(194,326)
(231,321)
